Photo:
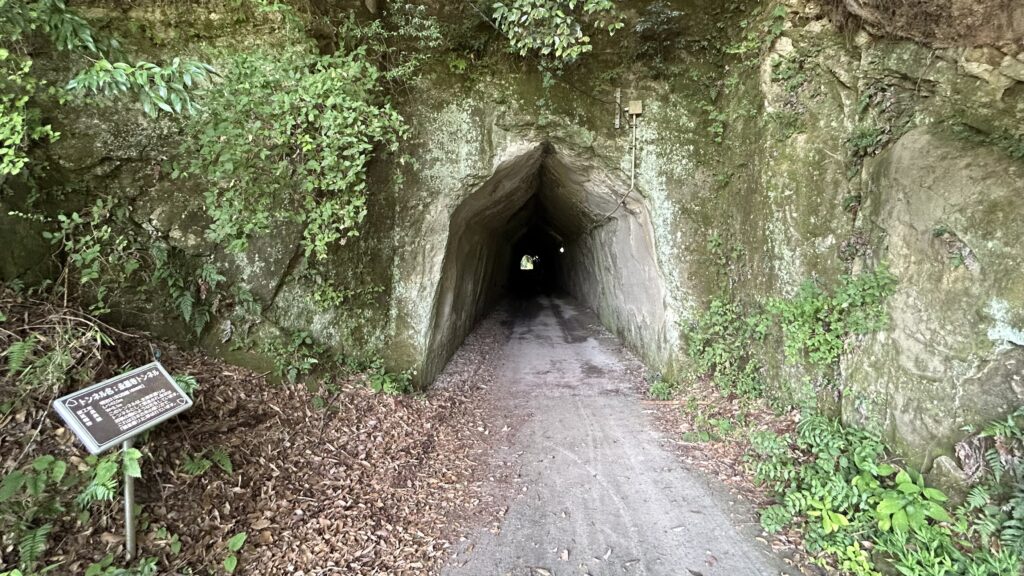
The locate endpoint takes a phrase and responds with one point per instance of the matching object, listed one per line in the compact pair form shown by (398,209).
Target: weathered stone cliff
(821,153)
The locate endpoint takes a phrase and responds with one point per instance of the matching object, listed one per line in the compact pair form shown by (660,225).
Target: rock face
(947,22)
(951,214)
(812,158)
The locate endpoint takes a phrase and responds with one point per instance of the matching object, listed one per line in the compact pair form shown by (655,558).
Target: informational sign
(106,414)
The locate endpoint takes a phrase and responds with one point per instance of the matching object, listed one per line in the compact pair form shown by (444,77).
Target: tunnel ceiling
(609,262)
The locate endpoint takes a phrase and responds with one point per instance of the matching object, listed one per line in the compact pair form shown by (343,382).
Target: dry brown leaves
(372,484)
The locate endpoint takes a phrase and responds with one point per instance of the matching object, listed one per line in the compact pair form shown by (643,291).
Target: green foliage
(815,323)
(790,71)
(130,462)
(105,567)
(189,286)
(909,505)
(201,463)
(33,496)
(709,425)
(833,485)
(96,256)
(287,137)
(394,383)
(400,42)
(662,389)
(156,87)
(717,122)
(555,29)
(166,88)
(1010,142)
(188,384)
(995,506)
(196,465)
(40,360)
(657,31)
(234,545)
(758,38)
(867,140)
(827,479)
(102,480)
(294,356)
(20,123)
(719,345)
(103,251)
(220,457)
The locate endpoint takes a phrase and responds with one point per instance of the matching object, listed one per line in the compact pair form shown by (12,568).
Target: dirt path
(596,491)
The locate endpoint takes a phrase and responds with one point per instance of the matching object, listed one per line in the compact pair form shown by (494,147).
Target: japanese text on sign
(107,413)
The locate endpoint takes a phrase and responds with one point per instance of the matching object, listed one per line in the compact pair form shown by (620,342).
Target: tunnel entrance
(586,235)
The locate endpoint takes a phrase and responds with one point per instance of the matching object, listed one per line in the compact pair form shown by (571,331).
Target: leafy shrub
(867,140)
(554,28)
(287,137)
(382,381)
(662,390)
(157,88)
(833,484)
(719,345)
(815,323)
(34,495)
(103,250)
(294,356)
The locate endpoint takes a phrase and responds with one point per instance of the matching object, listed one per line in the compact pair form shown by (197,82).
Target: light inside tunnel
(560,210)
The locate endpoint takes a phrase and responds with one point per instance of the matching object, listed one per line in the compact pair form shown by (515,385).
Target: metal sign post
(117,410)
(129,508)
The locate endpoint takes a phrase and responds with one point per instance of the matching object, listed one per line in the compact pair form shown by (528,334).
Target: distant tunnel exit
(536,264)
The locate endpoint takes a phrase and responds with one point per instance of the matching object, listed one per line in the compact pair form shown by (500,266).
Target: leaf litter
(371,484)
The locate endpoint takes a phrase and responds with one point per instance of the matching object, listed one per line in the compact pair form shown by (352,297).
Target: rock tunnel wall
(610,263)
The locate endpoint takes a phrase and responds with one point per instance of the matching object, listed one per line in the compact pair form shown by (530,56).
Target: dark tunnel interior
(560,211)
(534,267)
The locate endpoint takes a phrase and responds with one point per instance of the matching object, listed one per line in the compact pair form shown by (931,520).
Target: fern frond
(18,353)
(32,544)
(220,457)
(196,466)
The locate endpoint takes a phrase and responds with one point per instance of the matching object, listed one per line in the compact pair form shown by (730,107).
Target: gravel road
(596,492)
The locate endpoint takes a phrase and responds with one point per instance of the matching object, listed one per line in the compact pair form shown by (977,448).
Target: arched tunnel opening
(548,223)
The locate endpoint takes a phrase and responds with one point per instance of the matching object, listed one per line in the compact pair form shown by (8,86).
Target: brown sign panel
(106,414)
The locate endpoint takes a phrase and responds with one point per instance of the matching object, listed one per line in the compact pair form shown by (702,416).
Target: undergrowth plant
(101,251)
(815,323)
(156,87)
(836,486)
(45,351)
(719,343)
(33,496)
(382,381)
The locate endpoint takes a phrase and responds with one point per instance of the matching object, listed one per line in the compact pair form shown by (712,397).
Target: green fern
(18,353)
(196,466)
(188,384)
(103,484)
(32,545)
(220,457)
(995,464)
(978,497)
